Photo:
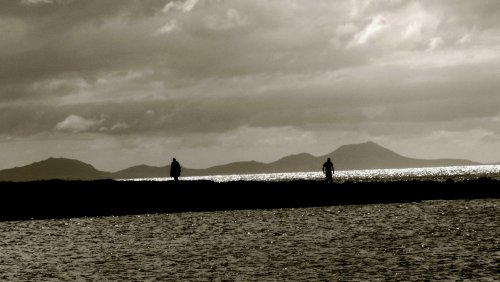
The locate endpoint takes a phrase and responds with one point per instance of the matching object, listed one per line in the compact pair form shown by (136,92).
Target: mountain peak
(53,160)
(367,155)
(53,168)
(364,145)
(296,157)
(370,155)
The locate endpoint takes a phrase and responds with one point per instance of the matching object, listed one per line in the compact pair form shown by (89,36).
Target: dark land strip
(66,199)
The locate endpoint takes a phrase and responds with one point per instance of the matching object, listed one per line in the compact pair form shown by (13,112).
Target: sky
(118,83)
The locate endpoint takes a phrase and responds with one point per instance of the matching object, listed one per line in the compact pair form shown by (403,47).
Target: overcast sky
(118,83)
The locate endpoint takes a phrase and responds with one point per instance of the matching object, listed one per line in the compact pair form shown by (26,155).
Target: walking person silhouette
(328,170)
(175,169)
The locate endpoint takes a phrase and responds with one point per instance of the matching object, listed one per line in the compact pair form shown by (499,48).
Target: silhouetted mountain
(142,171)
(234,168)
(295,163)
(370,155)
(145,171)
(367,155)
(53,168)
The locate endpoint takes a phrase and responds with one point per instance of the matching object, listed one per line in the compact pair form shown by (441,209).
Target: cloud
(120,126)
(363,69)
(231,19)
(213,41)
(435,43)
(377,25)
(465,39)
(32,2)
(75,124)
(184,6)
(167,28)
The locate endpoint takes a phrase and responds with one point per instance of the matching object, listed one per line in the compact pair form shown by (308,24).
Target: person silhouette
(175,169)
(328,170)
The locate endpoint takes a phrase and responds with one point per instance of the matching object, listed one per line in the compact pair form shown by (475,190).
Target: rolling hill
(53,168)
(367,155)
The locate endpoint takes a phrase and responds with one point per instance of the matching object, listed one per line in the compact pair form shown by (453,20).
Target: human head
(328,159)
(173,159)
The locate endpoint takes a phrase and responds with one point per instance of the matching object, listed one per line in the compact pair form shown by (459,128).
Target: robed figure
(175,169)
(328,170)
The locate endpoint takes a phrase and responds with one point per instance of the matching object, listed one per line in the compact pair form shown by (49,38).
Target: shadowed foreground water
(456,239)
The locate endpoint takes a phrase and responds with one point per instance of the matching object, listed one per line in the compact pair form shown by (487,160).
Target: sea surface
(457,173)
(430,240)
(421,241)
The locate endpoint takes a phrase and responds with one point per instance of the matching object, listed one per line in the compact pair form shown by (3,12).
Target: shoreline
(67,199)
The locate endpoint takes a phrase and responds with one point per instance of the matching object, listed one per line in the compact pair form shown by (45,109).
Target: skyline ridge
(367,155)
(255,161)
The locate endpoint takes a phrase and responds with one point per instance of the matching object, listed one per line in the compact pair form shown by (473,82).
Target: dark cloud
(217,70)
(481,14)
(65,14)
(90,39)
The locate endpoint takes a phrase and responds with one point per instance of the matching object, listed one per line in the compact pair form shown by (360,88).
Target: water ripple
(431,240)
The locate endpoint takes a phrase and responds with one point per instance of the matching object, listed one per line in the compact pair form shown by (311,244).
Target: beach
(67,199)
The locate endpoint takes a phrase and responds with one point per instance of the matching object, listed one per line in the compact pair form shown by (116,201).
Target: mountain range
(367,155)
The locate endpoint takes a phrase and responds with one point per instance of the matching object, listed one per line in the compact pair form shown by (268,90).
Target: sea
(456,173)
(451,240)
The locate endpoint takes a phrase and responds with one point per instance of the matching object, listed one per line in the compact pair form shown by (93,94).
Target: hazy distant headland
(367,155)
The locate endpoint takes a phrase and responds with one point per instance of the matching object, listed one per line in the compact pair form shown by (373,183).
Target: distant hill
(367,155)
(145,171)
(53,168)
(370,155)
(295,163)
(142,171)
(234,168)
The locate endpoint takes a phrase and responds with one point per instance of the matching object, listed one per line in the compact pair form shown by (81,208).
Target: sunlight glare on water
(457,173)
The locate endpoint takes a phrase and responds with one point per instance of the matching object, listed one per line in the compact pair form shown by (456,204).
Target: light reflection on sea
(456,173)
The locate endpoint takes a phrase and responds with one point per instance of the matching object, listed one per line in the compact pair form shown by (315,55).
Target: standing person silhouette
(175,169)
(328,170)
